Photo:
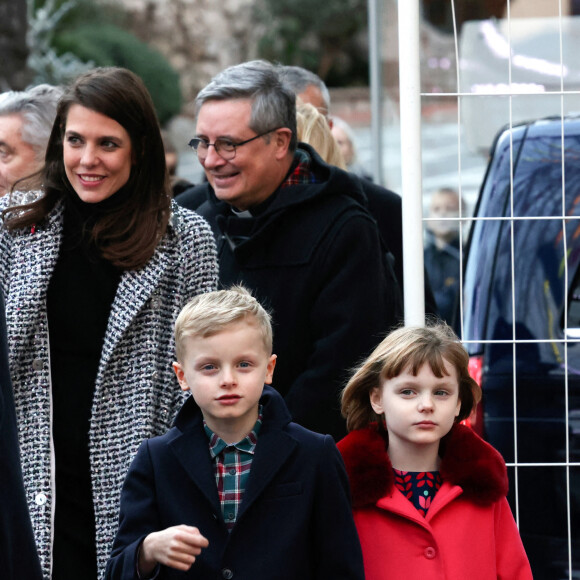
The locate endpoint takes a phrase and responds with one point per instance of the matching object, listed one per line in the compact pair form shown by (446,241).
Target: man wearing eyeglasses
(295,231)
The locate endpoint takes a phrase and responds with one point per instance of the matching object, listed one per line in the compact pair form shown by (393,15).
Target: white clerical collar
(246,213)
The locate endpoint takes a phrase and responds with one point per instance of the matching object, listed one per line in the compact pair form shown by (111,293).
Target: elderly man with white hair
(26,119)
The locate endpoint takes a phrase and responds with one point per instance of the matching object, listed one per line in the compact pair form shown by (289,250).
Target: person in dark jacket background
(18,557)
(383,204)
(296,231)
(442,250)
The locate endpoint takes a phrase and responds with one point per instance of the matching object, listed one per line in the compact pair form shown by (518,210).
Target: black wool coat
(386,208)
(384,205)
(315,258)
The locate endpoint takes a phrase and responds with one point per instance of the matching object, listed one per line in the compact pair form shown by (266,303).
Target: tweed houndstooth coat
(136,394)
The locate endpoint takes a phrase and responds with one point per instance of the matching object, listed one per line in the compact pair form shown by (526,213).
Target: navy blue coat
(295,521)
(18,557)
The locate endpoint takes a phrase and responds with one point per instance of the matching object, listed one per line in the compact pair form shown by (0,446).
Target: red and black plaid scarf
(301,174)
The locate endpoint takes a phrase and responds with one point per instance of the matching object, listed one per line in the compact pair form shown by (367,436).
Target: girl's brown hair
(127,235)
(408,348)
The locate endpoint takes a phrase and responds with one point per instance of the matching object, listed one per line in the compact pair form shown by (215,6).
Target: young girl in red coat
(428,493)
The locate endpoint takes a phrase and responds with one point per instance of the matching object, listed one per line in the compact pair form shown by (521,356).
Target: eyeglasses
(225,148)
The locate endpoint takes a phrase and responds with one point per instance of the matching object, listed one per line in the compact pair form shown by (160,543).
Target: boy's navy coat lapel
(191,451)
(271,454)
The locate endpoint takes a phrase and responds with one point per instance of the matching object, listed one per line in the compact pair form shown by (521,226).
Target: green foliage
(46,65)
(109,45)
(67,37)
(79,12)
(321,37)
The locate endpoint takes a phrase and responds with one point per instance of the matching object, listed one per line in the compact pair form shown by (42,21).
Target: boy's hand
(175,547)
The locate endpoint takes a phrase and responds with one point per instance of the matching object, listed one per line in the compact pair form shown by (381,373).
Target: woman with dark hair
(94,272)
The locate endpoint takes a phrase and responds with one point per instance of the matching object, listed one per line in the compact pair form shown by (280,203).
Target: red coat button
(430,553)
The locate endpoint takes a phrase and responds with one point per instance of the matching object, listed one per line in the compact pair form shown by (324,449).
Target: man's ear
(180,374)
(282,138)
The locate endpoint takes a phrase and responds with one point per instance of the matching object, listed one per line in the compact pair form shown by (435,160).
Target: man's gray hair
(273,103)
(37,107)
(299,79)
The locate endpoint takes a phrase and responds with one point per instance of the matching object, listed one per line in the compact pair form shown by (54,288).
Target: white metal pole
(411,169)
(376,86)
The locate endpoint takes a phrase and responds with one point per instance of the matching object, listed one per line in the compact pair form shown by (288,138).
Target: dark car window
(539,291)
(483,244)
(521,317)
(573,314)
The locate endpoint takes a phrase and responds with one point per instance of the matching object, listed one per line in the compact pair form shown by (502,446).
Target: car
(520,322)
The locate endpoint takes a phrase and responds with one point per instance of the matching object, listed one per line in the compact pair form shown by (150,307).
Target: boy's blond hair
(208,314)
(408,348)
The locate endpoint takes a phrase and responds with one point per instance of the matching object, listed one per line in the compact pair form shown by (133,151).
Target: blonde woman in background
(313,129)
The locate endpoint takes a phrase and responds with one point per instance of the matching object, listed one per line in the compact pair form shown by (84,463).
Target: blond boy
(235,489)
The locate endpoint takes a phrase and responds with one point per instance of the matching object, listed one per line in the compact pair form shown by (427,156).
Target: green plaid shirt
(232,465)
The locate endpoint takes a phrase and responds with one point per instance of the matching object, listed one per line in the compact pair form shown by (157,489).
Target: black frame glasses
(225,148)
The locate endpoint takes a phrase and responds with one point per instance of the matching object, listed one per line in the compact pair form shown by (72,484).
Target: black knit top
(80,295)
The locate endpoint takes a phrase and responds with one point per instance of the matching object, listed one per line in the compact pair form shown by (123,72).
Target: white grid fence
(548,349)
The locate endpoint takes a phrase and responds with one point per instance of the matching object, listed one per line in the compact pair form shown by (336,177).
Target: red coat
(469,531)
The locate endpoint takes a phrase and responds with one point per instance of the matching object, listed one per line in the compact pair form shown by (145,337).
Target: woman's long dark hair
(127,235)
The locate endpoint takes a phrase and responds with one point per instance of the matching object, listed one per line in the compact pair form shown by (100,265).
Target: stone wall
(198,37)
(202,37)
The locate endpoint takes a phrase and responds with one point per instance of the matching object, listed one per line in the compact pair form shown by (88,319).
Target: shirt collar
(247,444)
